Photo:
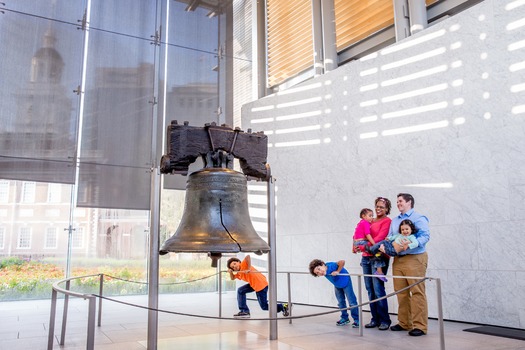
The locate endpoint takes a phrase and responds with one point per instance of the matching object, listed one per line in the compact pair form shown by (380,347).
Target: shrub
(21,279)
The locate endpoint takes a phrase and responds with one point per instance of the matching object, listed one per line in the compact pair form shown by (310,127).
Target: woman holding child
(375,286)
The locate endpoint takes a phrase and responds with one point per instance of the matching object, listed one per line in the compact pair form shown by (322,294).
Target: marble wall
(440,115)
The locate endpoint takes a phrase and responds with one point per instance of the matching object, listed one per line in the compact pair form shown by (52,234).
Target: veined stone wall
(440,115)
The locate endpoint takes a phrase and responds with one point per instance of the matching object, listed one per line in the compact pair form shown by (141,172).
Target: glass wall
(87,88)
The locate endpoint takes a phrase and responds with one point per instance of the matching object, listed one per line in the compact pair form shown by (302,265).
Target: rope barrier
(163,284)
(93,297)
(262,318)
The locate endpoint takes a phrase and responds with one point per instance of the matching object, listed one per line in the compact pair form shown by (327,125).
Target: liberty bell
(216,218)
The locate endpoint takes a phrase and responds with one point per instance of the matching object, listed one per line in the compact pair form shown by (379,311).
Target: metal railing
(90,343)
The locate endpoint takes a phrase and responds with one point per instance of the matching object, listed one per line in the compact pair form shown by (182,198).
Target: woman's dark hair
(409,223)
(388,205)
(313,264)
(230,260)
(364,211)
(408,198)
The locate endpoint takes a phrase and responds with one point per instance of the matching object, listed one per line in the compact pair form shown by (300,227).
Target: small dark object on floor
(499,332)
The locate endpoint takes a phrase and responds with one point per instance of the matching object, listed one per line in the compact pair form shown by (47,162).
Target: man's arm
(423,232)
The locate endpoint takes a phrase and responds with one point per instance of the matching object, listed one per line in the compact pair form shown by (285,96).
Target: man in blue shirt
(412,311)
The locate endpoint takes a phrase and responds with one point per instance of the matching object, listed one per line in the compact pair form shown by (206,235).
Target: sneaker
(342,322)
(355,324)
(242,314)
(384,326)
(287,308)
(381,276)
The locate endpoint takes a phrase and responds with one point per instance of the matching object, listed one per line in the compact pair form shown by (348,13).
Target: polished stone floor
(25,324)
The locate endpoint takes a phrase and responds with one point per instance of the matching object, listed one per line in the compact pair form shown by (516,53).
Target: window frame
(51,230)
(19,238)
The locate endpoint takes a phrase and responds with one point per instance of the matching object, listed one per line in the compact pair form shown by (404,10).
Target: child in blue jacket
(339,277)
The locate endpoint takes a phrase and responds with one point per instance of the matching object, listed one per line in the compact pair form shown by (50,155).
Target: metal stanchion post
(51,334)
(440,315)
(359,302)
(289,296)
(64,315)
(220,292)
(100,291)
(91,324)
(272,260)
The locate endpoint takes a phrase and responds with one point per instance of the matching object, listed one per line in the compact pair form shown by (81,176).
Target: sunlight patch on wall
(459,121)
(516,24)
(415,110)
(299,102)
(455,45)
(262,108)
(517,88)
(518,109)
(298,129)
(368,135)
(298,143)
(517,67)
(262,120)
(514,4)
(413,42)
(413,76)
(298,115)
(456,64)
(418,92)
(432,185)
(415,128)
(413,59)
(368,103)
(458,101)
(369,87)
(369,71)
(368,119)
(516,46)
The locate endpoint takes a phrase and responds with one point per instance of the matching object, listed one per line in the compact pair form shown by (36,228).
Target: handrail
(92,304)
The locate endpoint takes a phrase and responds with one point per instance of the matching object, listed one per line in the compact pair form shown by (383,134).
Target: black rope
(264,318)
(163,284)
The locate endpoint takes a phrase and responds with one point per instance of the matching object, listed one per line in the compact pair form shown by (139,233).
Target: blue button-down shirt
(422,234)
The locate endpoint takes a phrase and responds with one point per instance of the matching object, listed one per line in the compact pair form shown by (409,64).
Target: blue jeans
(340,294)
(262,298)
(376,289)
(389,248)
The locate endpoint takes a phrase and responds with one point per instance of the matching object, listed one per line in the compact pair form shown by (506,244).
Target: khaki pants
(413,310)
